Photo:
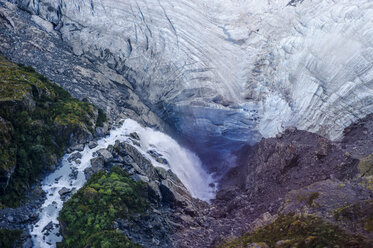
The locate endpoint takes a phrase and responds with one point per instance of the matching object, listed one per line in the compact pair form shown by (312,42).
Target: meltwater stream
(185,164)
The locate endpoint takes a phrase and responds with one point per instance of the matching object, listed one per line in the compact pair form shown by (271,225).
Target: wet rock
(64,191)
(102,131)
(135,136)
(108,157)
(75,156)
(77,147)
(49,227)
(158,157)
(92,144)
(74,173)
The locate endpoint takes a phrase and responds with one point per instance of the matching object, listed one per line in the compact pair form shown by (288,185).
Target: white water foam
(185,164)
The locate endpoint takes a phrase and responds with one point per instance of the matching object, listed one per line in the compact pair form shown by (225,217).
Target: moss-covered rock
(87,219)
(366,166)
(298,231)
(38,120)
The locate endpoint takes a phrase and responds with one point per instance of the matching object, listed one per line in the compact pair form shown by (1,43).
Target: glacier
(229,72)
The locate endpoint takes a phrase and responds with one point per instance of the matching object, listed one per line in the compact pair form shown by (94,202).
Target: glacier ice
(237,69)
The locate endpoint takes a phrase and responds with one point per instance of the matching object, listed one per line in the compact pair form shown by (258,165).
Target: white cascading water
(185,164)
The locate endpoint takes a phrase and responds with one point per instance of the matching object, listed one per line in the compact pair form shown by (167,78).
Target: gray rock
(137,169)
(138,177)
(108,157)
(64,191)
(154,191)
(135,136)
(75,156)
(158,157)
(88,172)
(77,147)
(49,227)
(97,163)
(92,144)
(47,26)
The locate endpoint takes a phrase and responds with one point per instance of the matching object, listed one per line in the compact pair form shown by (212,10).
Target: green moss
(358,212)
(10,238)
(366,166)
(309,198)
(89,215)
(298,231)
(37,119)
(110,239)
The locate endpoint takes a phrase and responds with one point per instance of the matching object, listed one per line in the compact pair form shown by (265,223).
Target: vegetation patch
(87,219)
(309,198)
(359,212)
(366,166)
(10,238)
(37,119)
(298,231)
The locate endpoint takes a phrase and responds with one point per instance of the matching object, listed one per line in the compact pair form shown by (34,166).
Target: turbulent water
(185,164)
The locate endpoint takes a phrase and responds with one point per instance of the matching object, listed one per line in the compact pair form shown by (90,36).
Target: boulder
(47,26)
(64,191)
(108,157)
(77,147)
(92,144)
(75,156)
(154,191)
(135,136)
(97,163)
(138,177)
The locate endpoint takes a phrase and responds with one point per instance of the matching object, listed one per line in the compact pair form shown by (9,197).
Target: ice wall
(231,69)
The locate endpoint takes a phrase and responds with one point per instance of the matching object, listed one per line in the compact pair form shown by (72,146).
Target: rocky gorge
(255,132)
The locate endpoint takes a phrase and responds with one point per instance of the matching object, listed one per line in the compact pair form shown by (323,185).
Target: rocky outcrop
(170,205)
(164,185)
(295,173)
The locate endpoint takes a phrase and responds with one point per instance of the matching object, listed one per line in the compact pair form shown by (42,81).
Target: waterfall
(184,163)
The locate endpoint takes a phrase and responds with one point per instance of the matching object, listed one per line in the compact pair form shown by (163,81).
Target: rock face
(217,69)
(296,172)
